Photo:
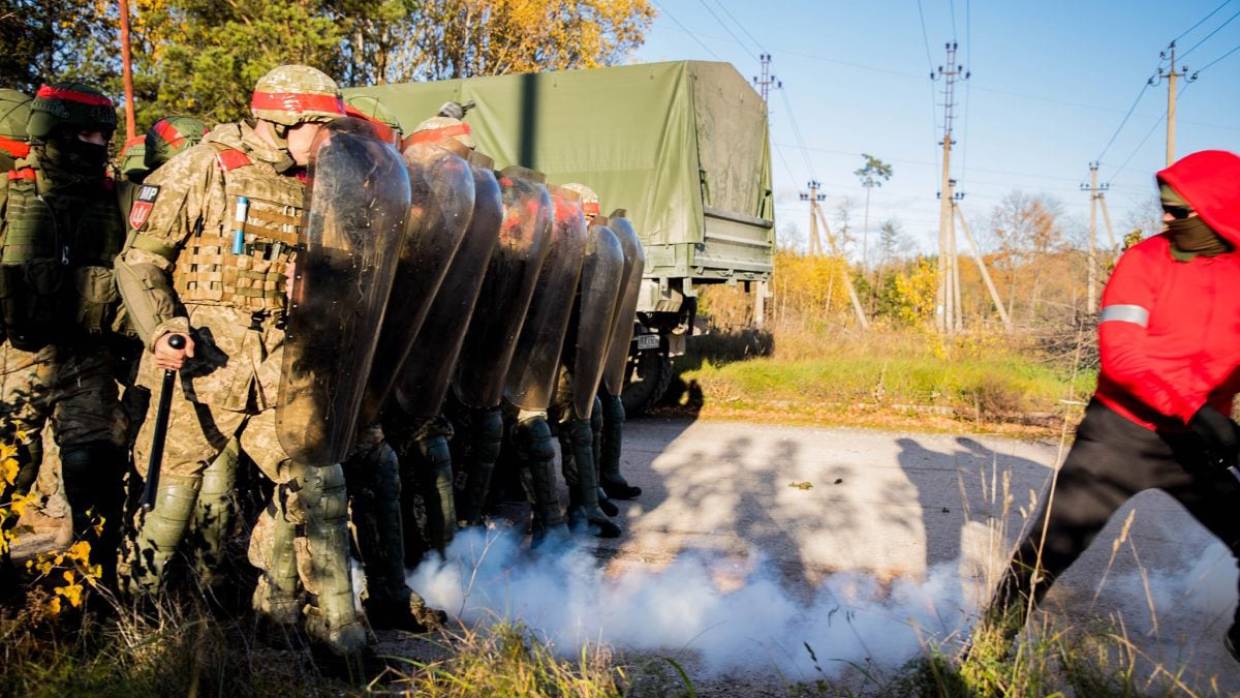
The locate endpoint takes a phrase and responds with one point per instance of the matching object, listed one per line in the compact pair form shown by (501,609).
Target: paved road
(894,505)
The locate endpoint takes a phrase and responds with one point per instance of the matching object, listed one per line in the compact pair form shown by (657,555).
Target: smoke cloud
(729,620)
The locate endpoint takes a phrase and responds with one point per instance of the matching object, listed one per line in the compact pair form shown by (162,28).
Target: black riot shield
(442,204)
(359,197)
(600,286)
(423,382)
(506,291)
(626,303)
(531,376)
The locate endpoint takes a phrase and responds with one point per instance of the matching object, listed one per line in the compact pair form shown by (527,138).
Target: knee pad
(613,409)
(165,525)
(533,440)
(220,478)
(385,468)
(322,494)
(488,434)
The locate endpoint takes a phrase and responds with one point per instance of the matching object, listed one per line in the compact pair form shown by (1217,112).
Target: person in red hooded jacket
(1169,339)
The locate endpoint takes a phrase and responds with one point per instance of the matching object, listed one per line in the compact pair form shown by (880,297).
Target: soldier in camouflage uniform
(182,272)
(144,154)
(14,145)
(61,231)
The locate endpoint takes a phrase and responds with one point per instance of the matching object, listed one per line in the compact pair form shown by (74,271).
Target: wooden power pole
(1095,202)
(1171,75)
(948,316)
(816,210)
(127,72)
(815,196)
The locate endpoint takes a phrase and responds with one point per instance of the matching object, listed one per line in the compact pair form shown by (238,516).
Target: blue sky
(1051,82)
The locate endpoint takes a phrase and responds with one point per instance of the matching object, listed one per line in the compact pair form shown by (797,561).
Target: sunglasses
(1178,212)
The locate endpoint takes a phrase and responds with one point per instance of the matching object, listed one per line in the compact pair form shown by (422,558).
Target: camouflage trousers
(72,387)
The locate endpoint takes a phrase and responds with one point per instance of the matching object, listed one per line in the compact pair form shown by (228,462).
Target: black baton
(176,341)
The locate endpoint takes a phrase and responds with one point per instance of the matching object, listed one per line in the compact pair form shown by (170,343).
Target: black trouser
(1112,460)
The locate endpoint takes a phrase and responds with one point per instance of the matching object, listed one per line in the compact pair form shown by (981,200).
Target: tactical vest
(243,264)
(56,253)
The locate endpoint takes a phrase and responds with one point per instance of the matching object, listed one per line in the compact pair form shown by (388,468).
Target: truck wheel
(647,383)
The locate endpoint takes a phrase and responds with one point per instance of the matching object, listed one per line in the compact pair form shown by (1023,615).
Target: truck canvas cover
(682,146)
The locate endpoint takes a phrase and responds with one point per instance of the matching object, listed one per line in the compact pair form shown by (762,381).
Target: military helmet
(589,200)
(294,94)
(133,157)
(14,110)
(372,110)
(438,128)
(73,104)
(171,135)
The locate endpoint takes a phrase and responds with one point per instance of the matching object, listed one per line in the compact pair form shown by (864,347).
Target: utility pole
(1095,198)
(815,209)
(767,80)
(981,265)
(1171,75)
(947,314)
(814,196)
(764,84)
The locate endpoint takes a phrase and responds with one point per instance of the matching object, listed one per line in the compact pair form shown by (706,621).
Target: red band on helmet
(26,173)
(168,133)
(383,132)
(297,102)
(90,100)
(14,148)
(431,135)
(591,209)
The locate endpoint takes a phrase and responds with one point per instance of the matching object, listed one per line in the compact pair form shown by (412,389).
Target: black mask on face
(66,152)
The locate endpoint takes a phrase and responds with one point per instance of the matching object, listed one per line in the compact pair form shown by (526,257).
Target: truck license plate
(646,342)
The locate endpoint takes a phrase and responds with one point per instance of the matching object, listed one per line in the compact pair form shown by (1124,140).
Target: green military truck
(683,147)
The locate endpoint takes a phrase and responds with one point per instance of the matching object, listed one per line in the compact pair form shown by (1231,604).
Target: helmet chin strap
(277,136)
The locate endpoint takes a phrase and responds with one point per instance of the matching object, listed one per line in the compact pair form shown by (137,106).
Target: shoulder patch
(142,205)
(23,174)
(230,159)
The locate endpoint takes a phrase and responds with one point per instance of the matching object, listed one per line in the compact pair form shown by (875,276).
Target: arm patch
(142,205)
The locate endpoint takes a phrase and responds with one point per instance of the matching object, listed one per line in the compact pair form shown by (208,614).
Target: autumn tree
(48,39)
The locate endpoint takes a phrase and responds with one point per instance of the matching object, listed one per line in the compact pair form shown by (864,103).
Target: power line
(1201,21)
(1149,133)
(726,28)
(925,38)
(686,30)
(1216,60)
(1123,122)
(742,26)
(796,131)
(1211,34)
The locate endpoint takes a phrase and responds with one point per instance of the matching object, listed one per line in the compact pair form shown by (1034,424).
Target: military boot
(331,618)
(159,533)
(432,471)
(610,441)
(93,475)
(577,461)
(596,447)
(485,434)
(374,488)
(214,513)
(277,597)
(532,438)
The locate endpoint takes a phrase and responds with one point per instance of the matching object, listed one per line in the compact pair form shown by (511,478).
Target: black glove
(1219,435)
(452,110)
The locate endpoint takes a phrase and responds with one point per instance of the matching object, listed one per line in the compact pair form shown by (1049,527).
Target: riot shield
(531,375)
(626,303)
(359,197)
(423,382)
(442,204)
(600,286)
(506,290)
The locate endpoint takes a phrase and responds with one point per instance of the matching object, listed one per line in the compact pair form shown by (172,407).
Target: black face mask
(75,157)
(1191,237)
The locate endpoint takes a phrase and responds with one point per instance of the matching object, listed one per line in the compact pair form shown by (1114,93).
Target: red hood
(1209,180)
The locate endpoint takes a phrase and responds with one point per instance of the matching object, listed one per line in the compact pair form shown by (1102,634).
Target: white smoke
(694,604)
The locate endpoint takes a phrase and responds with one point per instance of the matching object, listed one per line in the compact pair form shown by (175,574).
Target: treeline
(1037,258)
(201,57)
